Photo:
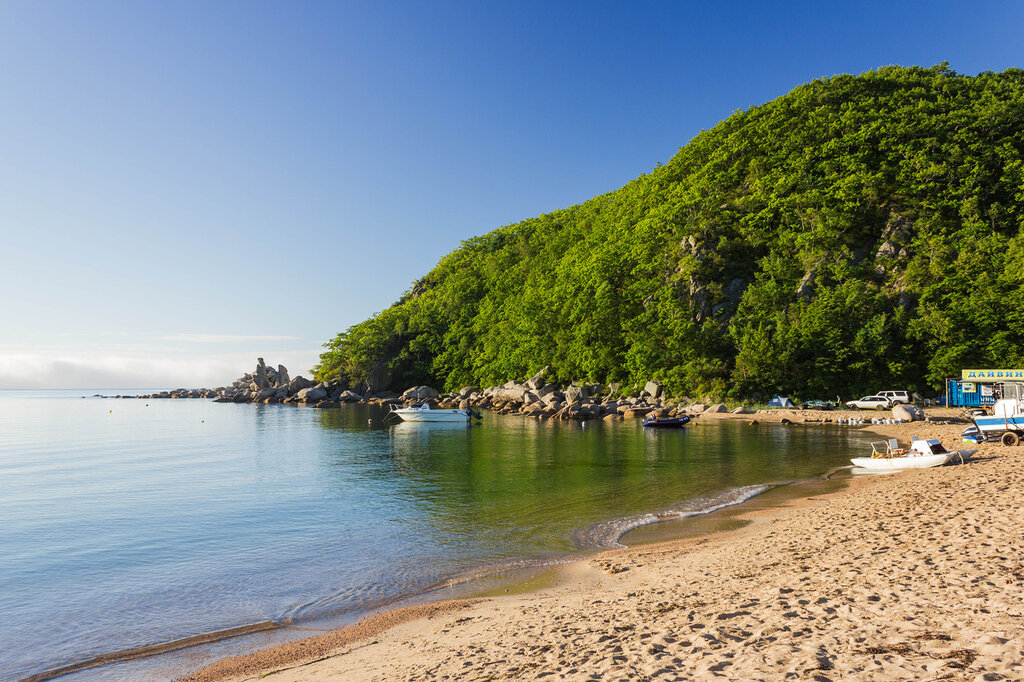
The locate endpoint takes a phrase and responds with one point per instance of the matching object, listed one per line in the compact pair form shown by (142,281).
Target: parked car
(871,402)
(896,397)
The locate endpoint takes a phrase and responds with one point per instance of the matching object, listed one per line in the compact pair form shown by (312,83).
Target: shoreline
(472,586)
(434,643)
(514,575)
(459,584)
(526,581)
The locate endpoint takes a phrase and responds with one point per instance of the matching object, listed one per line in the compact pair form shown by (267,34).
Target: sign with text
(992,374)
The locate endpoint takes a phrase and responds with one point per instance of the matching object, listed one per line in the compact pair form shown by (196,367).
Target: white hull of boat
(893,463)
(923,453)
(412,414)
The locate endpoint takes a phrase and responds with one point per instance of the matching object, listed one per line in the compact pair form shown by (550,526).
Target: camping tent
(779,401)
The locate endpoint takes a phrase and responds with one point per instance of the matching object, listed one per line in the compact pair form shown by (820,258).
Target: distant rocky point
(533,398)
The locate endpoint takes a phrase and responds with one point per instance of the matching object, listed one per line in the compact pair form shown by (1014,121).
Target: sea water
(128,523)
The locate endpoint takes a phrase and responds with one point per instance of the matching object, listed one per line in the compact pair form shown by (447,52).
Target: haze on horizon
(187,186)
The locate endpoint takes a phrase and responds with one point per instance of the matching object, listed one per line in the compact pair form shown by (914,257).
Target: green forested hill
(859,233)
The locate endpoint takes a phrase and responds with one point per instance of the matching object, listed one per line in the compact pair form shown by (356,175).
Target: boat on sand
(923,453)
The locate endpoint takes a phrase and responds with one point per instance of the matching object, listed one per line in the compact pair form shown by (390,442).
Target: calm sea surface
(127,523)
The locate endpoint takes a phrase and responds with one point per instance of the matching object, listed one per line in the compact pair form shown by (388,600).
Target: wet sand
(913,575)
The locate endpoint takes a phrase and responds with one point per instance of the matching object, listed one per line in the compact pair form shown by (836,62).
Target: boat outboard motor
(473,413)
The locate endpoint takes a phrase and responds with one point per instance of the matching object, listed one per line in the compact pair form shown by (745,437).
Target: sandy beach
(914,575)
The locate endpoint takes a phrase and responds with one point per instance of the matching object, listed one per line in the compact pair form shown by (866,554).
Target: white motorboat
(423,413)
(922,454)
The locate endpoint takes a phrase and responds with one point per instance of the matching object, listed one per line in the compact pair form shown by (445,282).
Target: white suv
(896,397)
(871,402)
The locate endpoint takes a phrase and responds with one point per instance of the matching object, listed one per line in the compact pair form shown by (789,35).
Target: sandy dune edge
(917,575)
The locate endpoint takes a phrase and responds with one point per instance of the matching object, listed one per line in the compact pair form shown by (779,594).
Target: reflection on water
(129,523)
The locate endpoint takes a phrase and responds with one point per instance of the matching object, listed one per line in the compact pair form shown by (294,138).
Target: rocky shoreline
(533,398)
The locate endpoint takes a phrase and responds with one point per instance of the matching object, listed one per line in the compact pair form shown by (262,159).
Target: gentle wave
(601,535)
(606,534)
(150,650)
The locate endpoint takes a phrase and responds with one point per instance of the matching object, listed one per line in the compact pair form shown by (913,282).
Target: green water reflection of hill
(527,485)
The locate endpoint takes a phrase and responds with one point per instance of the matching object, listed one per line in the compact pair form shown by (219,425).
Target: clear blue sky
(187,185)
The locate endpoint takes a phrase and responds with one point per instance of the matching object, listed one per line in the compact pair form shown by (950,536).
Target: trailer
(1006,423)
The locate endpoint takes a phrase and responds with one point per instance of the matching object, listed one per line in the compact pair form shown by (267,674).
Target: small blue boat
(666,422)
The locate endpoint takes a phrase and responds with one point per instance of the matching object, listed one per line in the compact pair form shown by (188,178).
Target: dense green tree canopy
(859,233)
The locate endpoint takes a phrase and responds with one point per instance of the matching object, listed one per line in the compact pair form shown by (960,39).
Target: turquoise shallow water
(127,523)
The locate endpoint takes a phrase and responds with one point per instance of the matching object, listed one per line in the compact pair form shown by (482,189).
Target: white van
(896,397)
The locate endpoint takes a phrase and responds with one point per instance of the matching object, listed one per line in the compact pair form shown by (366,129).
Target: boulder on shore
(537,380)
(551,398)
(297,384)
(717,408)
(653,389)
(575,394)
(421,393)
(910,413)
(510,392)
(311,394)
(636,412)
(467,391)
(264,393)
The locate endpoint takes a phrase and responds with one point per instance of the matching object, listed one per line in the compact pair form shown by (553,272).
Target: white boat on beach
(423,413)
(922,454)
